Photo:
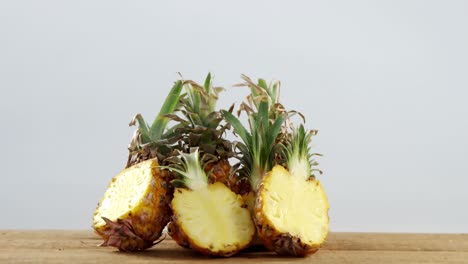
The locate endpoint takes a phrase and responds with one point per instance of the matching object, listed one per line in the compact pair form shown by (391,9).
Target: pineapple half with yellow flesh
(136,206)
(210,218)
(291,210)
(133,211)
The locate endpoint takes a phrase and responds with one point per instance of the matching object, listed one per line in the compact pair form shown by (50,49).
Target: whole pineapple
(136,206)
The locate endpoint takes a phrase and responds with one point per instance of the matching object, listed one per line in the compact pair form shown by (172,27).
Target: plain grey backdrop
(385,82)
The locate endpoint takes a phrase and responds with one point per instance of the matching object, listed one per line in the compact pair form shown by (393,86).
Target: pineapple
(136,206)
(290,208)
(209,218)
(153,141)
(198,124)
(261,145)
(134,210)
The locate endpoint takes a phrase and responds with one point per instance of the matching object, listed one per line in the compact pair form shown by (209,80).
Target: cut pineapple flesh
(213,218)
(295,206)
(127,193)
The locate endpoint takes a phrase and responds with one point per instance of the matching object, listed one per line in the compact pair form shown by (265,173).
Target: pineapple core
(295,206)
(213,217)
(126,193)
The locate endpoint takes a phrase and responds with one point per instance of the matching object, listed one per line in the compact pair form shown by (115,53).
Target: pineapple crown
(270,140)
(266,118)
(190,169)
(198,124)
(197,105)
(201,102)
(155,131)
(297,153)
(146,138)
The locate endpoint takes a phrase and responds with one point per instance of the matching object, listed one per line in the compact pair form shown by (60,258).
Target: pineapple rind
(214,220)
(178,236)
(291,214)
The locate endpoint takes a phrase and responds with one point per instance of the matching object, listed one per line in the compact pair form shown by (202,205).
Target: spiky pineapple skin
(147,220)
(219,171)
(179,237)
(249,200)
(280,242)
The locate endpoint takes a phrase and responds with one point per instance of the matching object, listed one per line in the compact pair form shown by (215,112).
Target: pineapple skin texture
(219,172)
(179,237)
(149,217)
(280,242)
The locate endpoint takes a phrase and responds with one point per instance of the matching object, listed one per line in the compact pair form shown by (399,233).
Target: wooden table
(82,247)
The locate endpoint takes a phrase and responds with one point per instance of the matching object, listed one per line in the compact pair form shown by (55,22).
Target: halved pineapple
(291,208)
(210,218)
(134,209)
(213,218)
(291,213)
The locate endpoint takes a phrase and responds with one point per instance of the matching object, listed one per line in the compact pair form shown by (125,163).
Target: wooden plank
(81,247)
(160,255)
(335,241)
(398,242)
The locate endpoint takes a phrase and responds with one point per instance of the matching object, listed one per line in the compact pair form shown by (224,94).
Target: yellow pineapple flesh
(219,172)
(291,213)
(209,218)
(135,208)
(214,219)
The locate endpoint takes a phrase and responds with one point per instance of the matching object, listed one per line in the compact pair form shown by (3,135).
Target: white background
(385,82)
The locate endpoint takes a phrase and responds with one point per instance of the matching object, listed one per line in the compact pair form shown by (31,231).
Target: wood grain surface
(82,247)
